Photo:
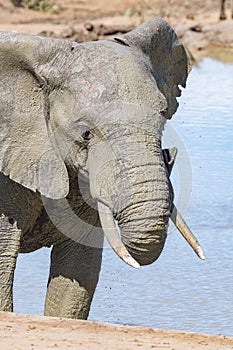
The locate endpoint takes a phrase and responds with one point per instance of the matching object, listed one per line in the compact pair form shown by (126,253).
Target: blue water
(179,291)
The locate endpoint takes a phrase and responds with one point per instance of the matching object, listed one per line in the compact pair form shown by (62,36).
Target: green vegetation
(37,5)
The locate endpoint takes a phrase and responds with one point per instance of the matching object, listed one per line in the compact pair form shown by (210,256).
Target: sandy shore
(24,332)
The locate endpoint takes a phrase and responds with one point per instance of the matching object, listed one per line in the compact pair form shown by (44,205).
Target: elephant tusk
(110,231)
(186,232)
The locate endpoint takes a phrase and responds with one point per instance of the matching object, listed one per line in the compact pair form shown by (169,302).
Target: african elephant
(81,128)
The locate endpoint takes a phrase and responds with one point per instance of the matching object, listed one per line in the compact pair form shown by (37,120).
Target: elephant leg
(73,278)
(9,247)
(19,209)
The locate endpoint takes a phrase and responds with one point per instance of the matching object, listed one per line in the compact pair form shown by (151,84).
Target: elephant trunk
(144,222)
(133,189)
(135,186)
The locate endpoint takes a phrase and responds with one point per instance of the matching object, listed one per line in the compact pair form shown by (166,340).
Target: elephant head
(99,108)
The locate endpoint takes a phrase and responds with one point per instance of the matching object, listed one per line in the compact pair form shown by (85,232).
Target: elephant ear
(168,58)
(27,154)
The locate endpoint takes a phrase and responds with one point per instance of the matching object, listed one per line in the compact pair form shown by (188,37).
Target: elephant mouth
(111,233)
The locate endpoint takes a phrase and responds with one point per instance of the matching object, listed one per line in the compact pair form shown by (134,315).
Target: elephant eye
(86,135)
(85,132)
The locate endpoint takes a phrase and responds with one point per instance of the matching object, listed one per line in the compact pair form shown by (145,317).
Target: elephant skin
(81,124)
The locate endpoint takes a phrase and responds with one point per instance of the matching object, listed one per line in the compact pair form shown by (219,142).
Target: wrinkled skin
(82,124)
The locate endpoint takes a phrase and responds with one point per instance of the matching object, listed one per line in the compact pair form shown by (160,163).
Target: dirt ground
(198,26)
(196,22)
(27,332)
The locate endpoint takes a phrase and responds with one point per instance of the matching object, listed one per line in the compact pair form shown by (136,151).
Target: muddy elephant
(80,154)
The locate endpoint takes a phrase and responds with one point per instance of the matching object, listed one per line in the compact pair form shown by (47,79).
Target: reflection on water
(178,291)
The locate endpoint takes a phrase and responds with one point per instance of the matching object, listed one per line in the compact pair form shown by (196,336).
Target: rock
(67,33)
(89,26)
(197,28)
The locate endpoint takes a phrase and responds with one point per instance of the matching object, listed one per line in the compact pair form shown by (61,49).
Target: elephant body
(81,129)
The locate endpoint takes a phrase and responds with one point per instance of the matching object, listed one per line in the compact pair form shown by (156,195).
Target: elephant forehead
(103,72)
(93,76)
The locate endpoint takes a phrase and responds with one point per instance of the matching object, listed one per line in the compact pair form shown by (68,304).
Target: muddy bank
(20,332)
(197,23)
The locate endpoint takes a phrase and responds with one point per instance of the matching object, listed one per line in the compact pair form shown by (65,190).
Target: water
(179,291)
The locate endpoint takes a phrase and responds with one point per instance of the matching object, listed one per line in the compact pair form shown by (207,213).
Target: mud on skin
(82,131)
